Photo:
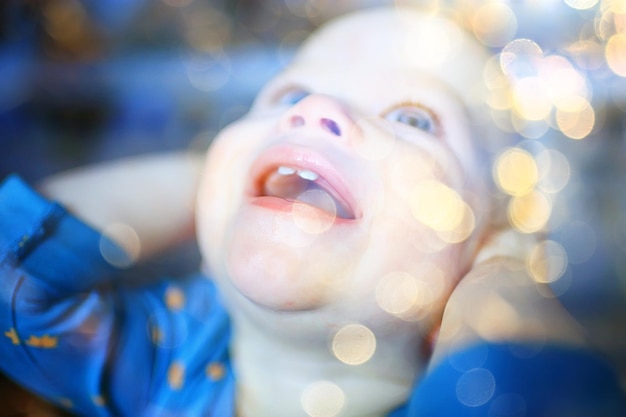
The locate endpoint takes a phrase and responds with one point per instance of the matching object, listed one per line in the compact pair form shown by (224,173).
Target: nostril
(331,125)
(296,121)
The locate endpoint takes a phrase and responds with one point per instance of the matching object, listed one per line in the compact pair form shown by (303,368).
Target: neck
(294,373)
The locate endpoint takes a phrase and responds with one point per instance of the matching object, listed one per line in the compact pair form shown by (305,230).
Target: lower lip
(282,205)
(273,203)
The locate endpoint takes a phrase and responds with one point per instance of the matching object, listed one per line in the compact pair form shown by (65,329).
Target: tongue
(294,188)
(319,198)
(288,187)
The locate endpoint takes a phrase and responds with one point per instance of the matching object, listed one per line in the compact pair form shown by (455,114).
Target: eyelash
(436,122)
(280,96)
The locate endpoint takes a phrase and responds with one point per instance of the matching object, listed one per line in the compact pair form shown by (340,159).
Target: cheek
(412,284)
(223,181)
(415,268)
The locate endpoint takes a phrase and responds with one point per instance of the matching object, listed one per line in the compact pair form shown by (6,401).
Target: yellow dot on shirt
(44,342)
(174,298)
(176,375)
(156,335)
(215,371)
(12,334)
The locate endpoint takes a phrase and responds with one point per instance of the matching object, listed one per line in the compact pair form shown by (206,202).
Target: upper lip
(330,174)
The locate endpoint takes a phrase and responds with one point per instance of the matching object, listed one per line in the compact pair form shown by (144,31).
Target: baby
(336,221)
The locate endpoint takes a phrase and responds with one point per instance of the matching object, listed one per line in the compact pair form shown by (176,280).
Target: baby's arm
(74,331)
(507,347)
(153,194)
(499,301)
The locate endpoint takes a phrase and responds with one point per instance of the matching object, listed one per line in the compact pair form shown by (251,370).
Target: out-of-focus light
(588,54)
(495,319)
(603,24)
(518,57)
(529,213)
(322,399)
(493,76)
(531,99)
(577,119)
(403,295)
(208,72)
(354,344)
(547,262)
(494,24)
(616,54)
(437,206)
(515,172)
(464,228)
(581,4)
(475,387)
(562,80)
(539,85)
(530,129)
(127,238)
(500,99)
(307,215)
(554,171)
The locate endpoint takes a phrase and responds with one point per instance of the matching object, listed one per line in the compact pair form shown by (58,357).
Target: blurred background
(83,81)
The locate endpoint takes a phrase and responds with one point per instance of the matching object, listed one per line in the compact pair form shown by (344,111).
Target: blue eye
(416,117)
(292,96)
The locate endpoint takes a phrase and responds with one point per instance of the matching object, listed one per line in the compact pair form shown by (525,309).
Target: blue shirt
(83,334)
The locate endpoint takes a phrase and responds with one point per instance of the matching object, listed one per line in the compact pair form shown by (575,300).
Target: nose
(318,111)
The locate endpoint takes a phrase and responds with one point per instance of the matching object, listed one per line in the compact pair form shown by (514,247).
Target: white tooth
(308,175)
(286,171)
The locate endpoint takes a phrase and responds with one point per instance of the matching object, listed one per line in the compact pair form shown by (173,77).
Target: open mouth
(286,177)
(304,186)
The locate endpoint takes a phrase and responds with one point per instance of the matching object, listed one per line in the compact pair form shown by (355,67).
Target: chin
(267,282)
(273,263)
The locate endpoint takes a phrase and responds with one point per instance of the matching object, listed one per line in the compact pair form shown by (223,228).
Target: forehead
(398,40)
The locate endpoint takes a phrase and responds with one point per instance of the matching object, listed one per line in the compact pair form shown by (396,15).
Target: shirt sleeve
(54,247)
(74,331)
(519,380)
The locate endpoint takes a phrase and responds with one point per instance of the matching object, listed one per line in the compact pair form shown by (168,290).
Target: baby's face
(343,187)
